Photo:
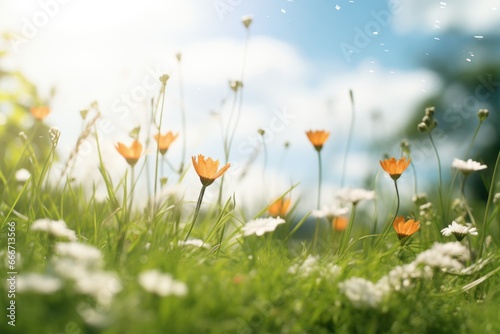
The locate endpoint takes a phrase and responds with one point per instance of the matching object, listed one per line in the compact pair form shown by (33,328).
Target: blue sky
(105,51)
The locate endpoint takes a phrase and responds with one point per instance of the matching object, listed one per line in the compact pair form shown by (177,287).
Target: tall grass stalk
(349,138)
(196,211)
(491,195)
(157,156)
(440,185)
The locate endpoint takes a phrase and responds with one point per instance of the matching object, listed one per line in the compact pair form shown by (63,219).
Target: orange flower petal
(318,138)
(207,169)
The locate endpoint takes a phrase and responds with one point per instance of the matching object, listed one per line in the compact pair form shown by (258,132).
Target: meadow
(76,262)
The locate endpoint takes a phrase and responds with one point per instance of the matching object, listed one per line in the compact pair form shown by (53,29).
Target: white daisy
(448,257)
(162,284)
(38,283)
(329,212)
(355,195)
(458,230)
(261,225)
(56,228)
(467,167)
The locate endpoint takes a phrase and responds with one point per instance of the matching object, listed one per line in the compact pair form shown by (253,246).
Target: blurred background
(302,58)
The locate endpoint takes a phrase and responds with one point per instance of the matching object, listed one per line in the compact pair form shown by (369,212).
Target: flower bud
(427,120)
(84,113)
(247,20)
(164,78)
(483,114)
(178,56)
(261,132)
(429,111)
(422,127)
(405,146)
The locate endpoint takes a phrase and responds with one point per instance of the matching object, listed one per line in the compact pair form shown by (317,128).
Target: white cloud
(431,15)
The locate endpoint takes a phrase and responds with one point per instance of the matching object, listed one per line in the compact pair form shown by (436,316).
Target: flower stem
(349,139)
(320,172)
(183,120)
(157,158)
(196,211)
(455,173)
(491,194)
(440,187)
(469,212)
(344,241)
(320,175)
(388,227)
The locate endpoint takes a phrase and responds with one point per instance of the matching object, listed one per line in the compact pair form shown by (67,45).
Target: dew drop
(283,11)
(478,37)
(337,7)
(437,38)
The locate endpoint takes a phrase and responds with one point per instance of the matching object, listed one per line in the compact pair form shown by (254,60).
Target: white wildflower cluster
(427,214)
(361,292)
(162,284)
(55,228)
(449,257)
(496,199)
(260,226)
(311,265)
(38,283)
(82,265)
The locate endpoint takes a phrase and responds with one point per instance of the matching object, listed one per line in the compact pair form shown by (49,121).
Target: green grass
(280,282)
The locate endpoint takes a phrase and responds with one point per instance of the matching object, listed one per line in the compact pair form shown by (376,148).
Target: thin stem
(455,173)
(265,164)
(157,158)
(440,189)
(132,187)
(183,120)
(240,90)
(196,211)
(320,174)
(344,241)
(491,194)
(462,191)
(414,176)
(397,196)
(320,169)
(349,140)
(388,227)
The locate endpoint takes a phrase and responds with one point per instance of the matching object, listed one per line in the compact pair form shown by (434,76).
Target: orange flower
(405,228)
(395,167)
(132,153)
(207,169)
(340,223)
(318,138)
(279,207)
(164,141)
(40,112)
